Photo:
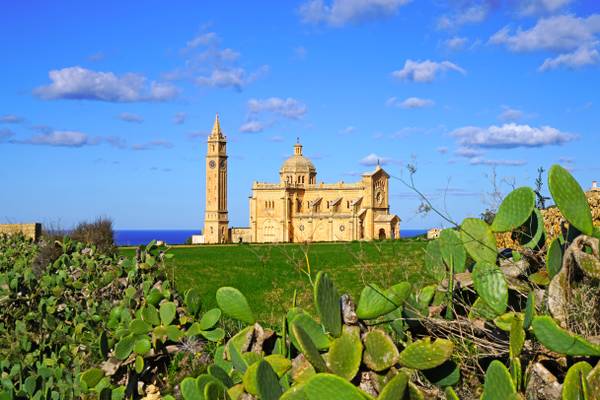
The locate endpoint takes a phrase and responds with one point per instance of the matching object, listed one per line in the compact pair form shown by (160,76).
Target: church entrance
(381,234)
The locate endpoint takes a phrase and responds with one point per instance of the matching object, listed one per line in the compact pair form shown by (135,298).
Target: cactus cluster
(348,352)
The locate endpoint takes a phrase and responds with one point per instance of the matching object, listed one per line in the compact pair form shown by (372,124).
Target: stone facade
(216,221)
(433,233)
(298,209)
(32,231)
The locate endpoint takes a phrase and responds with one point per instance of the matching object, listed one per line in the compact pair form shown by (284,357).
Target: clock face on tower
(223,164)
(212,163)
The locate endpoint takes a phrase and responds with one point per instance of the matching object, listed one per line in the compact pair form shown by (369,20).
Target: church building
(298,208)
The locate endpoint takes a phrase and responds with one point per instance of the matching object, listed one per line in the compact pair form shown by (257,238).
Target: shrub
(98,233)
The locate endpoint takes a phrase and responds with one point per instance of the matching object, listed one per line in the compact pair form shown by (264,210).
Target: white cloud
(468,152)
(348,130)
(575,39)
(425,71)
(456,43)
(252,126)
(152,145)
(276,138)
(510,136)
(203,39)
(5,134)
(485,161)
(557,33)
(510,114)
(179,118)
(340,12)
(207,64)
(130,117)
(533,7)
(581,57)
(442,150)
(410,102)
(289,108)
(236,78)
(470,15)
(374,159)
(77,83)
(300,53)
(11,119)
(60,139)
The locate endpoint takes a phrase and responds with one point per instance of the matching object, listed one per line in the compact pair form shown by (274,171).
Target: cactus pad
(267,382)
(307,346)
(554,258)
(557,339)
(234,304)
(529,310)
(447,374)
(514,210)
(395,388)
(380,351)
(517,336)
(479,240)
(375,302)
(424,354)
(434,264)
(345,353)
(491,286)
(452,250)
(575,383)
(310,326)
(570,199)
(327,303)
(331,387)
(498,383)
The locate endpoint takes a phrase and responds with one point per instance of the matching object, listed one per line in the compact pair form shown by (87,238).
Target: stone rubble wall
(553,220)
(32,231)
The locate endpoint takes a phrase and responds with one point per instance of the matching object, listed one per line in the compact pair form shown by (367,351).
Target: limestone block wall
(241,235)
(32,231)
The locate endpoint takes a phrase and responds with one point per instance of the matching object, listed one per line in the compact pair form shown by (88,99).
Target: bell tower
(216,220)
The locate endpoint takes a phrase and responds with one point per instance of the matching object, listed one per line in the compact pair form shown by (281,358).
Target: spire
(298,147)
(216,130)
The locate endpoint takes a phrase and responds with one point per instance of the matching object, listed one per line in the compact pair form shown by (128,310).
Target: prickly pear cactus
(575,386)
(308,348)
(554,258)
(498,383)
(345,353)
(327,303)
(491,286)
(375,302)
(267,382)
(425,354)
(514,210)
(234,304)
(328,386)
(570,199)
(559,340)
(479,240)
(452,250)
(380,351)
(395,388)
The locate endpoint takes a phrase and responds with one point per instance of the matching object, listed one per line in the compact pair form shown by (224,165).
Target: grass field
(269,274)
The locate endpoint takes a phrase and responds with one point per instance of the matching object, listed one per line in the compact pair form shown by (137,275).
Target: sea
(135,237)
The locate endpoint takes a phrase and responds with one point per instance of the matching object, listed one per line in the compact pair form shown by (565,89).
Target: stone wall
(32,231)
(553,220)
(241,235)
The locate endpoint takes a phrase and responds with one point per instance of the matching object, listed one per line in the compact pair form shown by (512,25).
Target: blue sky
(105,106)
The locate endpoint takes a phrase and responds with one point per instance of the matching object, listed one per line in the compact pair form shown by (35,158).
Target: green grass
(269,274)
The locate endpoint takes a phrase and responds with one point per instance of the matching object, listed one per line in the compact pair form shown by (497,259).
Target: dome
(298,164)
